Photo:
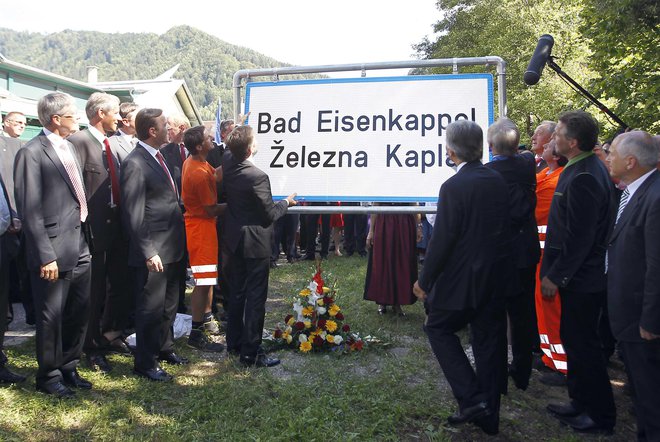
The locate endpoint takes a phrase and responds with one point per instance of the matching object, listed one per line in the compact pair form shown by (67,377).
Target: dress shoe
(73,379)
(397,311)
(7,377)
(488,424)
(116,346)
(200,341)
(261,360)
(563,410)
(172,358)
(582,423)
(382,309)
(57,389)
(154,374)
(469,414)
(274,265)
(553,379)
(99,362)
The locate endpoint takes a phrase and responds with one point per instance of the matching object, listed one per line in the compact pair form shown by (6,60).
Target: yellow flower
(330,338)
(330,326)
(291,321)
(307,311)
(305,292)
(319,302)
(289,338)
(326,289)
(334,310)
(308,324)
(305,346)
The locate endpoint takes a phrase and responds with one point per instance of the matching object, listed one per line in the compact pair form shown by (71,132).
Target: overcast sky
(298,32)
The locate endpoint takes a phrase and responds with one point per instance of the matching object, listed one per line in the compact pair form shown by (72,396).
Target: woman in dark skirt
(392,265)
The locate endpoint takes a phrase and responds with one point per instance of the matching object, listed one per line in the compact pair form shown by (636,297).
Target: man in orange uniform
(199,194)
(548,311)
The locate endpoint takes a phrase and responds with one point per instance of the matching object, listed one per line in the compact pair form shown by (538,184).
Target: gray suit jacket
(51,211)
(120,146)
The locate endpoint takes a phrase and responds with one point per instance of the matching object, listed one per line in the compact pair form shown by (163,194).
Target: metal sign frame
(454,63)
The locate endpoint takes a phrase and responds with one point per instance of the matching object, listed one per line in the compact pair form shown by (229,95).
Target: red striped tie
(167,172)
(74,175)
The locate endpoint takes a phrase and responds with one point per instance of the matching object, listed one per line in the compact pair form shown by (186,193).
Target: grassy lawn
(394,390)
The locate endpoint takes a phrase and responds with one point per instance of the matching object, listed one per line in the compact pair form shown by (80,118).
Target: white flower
(302,338)
(338,339)
(297,307)
(313,286)
(321,310)
(323,334)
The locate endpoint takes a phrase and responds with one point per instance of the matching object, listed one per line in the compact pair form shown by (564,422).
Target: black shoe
(563,410)
(582,423)
(274,265)
(261,360)
(469,414)
(116,346)
(99,362)
(172,358)
(73,379)
(554,379)
(488,424)
(57,389)
(154,374)
(200,341)
(7,377)
(382,309)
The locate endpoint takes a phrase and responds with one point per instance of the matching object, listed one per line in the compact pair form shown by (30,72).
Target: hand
(418,292)
(290,199)
(15,226)
(154,264)
(370,239)
(242,119)
(647,335)
(49,271)
(548,288)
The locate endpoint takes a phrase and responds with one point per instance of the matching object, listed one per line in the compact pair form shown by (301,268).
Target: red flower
(321,324)
(299,325)
(278,333)
(346,328)
(287,317)
(339,316)
(358,345)
(318,341)
(328,301)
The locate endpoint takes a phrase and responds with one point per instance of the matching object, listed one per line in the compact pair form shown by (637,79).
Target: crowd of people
(554,244)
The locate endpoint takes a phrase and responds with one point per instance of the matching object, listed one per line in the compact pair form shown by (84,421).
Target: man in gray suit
(124,140)
(51,198)
(110,295)
(152,215)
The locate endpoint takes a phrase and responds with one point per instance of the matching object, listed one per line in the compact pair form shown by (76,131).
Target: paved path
(18,331)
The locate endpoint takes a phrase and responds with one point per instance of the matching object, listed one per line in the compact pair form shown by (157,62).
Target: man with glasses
(13,125)
(51,198)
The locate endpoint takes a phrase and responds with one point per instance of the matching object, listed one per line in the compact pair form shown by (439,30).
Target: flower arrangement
(317,323)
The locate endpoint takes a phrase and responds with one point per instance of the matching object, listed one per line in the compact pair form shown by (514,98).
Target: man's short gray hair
(549,126)
(55,103)
(178,120)
(466,139)
(503,137)
(640,145)
(100,101)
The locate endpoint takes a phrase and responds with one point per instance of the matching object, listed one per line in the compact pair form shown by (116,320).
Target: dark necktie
(183,152)
(114,177)
(167,172)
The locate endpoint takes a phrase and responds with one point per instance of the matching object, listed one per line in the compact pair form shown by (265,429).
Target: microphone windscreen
(539,59)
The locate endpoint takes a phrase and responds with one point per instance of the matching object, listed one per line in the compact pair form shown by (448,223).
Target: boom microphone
(539,59)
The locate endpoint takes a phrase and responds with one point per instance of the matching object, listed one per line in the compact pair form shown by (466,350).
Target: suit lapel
(49,150)
(634,204)
(155,165)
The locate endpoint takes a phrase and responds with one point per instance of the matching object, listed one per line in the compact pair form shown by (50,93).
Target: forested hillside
(207,63)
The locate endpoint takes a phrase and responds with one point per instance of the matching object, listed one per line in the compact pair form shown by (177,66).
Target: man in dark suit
(518,172)
(246,240)
(8,247)
(152,216)
(573,265)
(461,275)
(109,295)
(634,274)
(123,141)
(175,154)
(51,199)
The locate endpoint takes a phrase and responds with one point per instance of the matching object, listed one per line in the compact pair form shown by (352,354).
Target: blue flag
(218,121)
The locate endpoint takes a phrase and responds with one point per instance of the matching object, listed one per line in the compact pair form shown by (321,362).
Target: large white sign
(367,139)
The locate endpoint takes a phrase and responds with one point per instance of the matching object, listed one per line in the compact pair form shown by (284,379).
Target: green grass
(394,390)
